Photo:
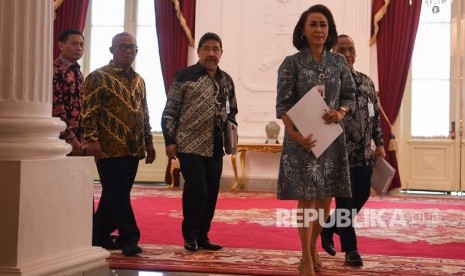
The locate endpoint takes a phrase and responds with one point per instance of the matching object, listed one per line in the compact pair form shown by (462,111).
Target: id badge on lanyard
(321,89)
(228,106)
(321,86)
(371,109)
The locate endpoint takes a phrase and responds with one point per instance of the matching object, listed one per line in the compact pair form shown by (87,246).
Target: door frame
(437,164)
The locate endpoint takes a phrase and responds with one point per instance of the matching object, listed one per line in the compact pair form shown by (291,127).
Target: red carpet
(421,227)
(276,262)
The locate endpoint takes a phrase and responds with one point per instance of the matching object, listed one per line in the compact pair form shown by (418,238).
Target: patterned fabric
(361,127)
(301,176)
(416,235)
(196,110)
(115,112)
(67,97)
(279,262)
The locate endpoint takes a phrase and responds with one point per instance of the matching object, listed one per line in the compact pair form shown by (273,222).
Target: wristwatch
(345,109)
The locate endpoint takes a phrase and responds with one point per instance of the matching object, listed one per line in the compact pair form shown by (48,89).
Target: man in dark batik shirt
(199,103)
(68,83)
(361,128)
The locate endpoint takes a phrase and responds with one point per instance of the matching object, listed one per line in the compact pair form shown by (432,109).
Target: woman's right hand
(306,142)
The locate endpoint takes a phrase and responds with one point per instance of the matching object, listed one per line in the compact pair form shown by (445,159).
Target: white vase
(272,130)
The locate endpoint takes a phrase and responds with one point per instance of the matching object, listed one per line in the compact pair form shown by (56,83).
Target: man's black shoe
(111,245)
(108,244)
(327,242)
(207,245)
(353,258)
(131,250)
(191,246)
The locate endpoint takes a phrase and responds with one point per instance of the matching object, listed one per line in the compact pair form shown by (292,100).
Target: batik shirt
(67,97)
(115,112)
(196,110)
(363,124)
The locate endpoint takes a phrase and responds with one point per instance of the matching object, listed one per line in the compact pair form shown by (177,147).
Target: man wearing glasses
(117,130)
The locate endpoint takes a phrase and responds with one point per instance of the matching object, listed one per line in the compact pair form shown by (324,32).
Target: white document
(307,116)
(382,176)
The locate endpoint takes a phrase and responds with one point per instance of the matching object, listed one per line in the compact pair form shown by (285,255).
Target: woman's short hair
(300,42)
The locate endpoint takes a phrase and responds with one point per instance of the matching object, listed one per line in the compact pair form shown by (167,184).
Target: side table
(242,149)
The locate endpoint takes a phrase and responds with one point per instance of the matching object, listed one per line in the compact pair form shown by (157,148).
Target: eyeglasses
(125,47)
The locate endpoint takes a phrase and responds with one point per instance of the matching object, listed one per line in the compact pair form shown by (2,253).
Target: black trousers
(114,210)
(360,178)
(202,176)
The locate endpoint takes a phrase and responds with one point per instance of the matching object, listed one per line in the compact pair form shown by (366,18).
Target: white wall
(257,35)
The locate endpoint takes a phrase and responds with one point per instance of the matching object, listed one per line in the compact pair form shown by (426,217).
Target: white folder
(307,116)
(382,176)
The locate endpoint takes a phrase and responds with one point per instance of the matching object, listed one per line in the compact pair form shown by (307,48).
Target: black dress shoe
(207,245)
(327,243)
(353,258)
(107,244)
(131,250)
(191,246)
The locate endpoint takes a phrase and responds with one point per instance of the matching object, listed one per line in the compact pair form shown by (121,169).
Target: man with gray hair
(361,127)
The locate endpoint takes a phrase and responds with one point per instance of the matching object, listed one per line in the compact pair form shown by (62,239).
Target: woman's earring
(302,37)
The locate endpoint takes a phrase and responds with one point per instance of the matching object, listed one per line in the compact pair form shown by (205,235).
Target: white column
(45,196)
(27,129)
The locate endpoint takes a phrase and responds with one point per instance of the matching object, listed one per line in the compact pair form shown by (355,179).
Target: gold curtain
(392,140)
(182,21)
(376,18)
(56,5)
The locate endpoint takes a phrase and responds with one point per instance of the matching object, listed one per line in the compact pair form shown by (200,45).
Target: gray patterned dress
(301,175)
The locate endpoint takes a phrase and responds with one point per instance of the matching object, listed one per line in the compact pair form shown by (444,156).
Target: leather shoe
(191,245)
(353,258)
(131,250)
(327,243)
(207,245)
(107,244)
